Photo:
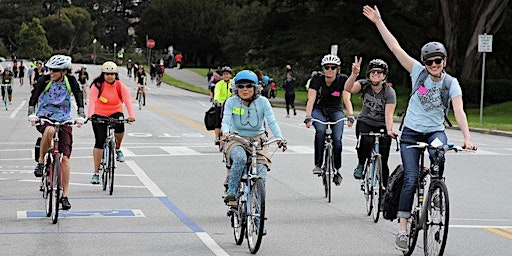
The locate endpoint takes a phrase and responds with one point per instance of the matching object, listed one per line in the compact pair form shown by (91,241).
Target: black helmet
(377,63)
(432,49)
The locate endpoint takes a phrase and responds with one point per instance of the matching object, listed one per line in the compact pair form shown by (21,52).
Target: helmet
(266,79)
(377,63)
(59,62)
(226,69)
(330,59)
(109,67)
(432,49)
(8,68)
(246,75)
(84,66)
(40,62)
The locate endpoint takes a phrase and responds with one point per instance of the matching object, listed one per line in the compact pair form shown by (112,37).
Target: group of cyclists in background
(243,107)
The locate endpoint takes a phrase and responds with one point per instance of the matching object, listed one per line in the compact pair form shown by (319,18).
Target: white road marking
(13,114)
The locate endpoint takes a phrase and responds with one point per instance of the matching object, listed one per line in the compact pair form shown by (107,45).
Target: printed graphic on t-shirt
(430,99)
(373,107)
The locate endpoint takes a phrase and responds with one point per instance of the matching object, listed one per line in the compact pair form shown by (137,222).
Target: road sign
(150,43)
(485,43)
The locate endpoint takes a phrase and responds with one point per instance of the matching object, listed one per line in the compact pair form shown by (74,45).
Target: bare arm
(373,15)
(348,107)
(309,105)
(462,121)
(389,110)
(350,84)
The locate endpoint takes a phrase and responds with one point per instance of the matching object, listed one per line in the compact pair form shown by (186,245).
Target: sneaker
(95,179)
(294,112)
(401,242)
(65,203)
(230,200)
(120,156)
(358,172)
(317,170)
(337,179)
(217,142)
(287,116)
(38,171)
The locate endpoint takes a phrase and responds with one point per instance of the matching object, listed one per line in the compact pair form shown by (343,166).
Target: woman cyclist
(324,103)
(221,94)
(141,80)
(106,99)
(245,114)
(424,117)
(379,101)
(7,77)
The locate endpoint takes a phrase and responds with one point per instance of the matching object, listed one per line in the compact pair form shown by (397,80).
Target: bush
(495,91)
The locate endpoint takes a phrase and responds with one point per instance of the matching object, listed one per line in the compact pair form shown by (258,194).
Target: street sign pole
(484,45)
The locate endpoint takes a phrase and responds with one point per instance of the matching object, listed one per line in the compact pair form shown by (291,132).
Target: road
(167,198)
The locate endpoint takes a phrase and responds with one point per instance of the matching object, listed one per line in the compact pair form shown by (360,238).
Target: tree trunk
(450,13)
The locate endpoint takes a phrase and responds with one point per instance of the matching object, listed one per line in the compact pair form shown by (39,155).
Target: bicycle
(51,180)
(108,161)
(139,96)
(372,176)
(328,170)
(432,214)
(248,216)
(5,89)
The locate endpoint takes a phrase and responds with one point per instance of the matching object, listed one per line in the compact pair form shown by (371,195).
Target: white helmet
(330,59)
(59,62)
(109,67)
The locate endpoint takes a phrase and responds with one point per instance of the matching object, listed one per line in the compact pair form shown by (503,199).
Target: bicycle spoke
(437,217)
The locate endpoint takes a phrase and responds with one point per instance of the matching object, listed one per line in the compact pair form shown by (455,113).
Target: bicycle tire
(6,100)
(104,168)
(256,216)
(437,219)
(412,227)
(367,186)
(330,173)
(139,97)
(238,221)
(47,187)
(55,191)
(377,188)
(111,167)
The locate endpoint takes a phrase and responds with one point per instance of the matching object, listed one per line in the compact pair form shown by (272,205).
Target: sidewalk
(197,80)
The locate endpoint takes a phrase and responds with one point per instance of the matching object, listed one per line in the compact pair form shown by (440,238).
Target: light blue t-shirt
(248,121)
(425,112)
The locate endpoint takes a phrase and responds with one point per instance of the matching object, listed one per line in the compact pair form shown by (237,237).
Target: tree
(12,14)
(32,41)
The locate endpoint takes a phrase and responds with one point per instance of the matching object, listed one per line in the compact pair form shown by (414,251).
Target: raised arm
(373,15)
(351,85)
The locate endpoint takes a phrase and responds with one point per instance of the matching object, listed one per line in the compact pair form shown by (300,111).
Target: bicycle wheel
(256,216)
(413,228)
(55,193)
(238,217)
(436,219)
(367,186)
(376,189)
(139,97)
(47,187)
(111,167)
(6,100)
(104,168)
(330,174)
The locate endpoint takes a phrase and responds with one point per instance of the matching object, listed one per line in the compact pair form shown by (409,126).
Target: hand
(282,144)
(351,120)
(468,145)
(80,121)
(223,139)
(392,134)
(356,66)
(371,14)
(307,121)
(33,119)
(131,119)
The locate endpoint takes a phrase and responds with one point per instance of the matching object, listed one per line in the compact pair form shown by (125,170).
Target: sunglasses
(331,67)
(55,70)
(110,74)
(245,86)
(376,71)
(430,62)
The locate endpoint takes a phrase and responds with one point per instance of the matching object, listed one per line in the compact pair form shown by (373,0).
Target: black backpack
(392,195)
(210,117)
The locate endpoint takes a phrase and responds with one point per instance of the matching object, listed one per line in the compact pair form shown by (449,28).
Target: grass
(495,117)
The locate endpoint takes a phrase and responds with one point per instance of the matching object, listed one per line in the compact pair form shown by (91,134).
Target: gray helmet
(432,49)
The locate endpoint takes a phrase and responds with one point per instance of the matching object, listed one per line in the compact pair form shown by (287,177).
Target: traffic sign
(150,43)
(485,43)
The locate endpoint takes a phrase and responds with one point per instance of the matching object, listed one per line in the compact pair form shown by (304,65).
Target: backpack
(392,195)
(210,118)
(445,94)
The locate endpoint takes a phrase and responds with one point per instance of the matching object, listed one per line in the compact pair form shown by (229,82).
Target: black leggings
(366,144)
(289,99)
(100,130)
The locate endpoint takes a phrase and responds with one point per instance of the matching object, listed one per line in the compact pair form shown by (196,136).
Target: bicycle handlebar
(43,120)
(424,145)
(251,142)
(108,120)
(329,123)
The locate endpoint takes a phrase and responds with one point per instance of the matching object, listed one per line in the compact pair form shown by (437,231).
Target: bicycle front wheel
(139,96)
(436,219)
(47,187)
(377,188)
(238,220)
(368,186)
(6,100)
(111,167)
(55,193)
(104,168)
(256,216)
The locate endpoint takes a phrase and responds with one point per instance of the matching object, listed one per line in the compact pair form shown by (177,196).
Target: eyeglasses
(436,61)
(55,70)
(245,86)
(110,74)
(376,71)
(331,67)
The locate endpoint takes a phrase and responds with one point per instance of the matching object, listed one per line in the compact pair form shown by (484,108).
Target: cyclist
(379,101)
(424,117)
(36,73)
(221,94)
(324,103)
(83,77)
(53,93)
(21,74)
(108,94)
(141,82)
(129,67)
(7,78)
(245,113)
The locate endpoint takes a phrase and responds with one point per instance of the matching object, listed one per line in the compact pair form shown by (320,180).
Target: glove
(80,121)
(33,118)
(81,112)
(31,110)
(351,118)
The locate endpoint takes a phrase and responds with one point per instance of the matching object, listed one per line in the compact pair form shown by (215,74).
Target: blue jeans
(332,115)
(239,166)
(410,161)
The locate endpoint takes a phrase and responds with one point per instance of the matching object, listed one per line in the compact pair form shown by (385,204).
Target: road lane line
(499,232)
(13,114)
(157,192)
